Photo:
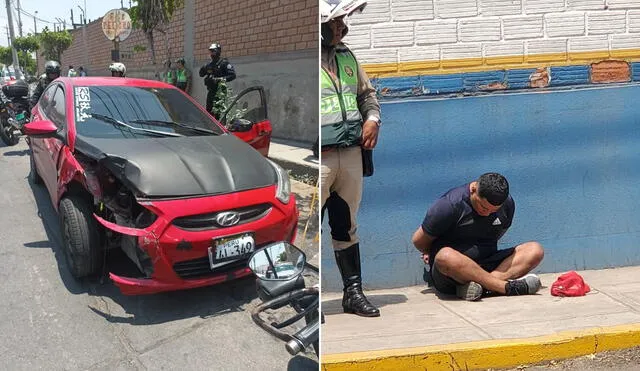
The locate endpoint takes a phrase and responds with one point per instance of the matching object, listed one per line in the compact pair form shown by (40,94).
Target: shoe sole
(351,311)
(538,283)
(472,291)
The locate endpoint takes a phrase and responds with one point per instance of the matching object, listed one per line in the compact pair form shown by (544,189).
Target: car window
(57,110)
(130,104)
(46,98)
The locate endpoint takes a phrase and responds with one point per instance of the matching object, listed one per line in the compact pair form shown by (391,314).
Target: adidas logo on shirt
(497,222)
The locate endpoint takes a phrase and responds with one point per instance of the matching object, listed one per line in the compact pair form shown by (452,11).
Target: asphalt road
(51,321)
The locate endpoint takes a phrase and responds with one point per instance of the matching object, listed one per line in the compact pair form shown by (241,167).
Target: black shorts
(447,285)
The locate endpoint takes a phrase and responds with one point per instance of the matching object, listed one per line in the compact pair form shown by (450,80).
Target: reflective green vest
(168,77)
(341,124)
(182,76)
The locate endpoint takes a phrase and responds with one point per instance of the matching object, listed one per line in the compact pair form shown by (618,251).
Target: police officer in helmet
(215,73)
(350,120)
(51,72)
(118,69)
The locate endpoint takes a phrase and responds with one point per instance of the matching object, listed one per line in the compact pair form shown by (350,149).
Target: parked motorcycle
(14,114)
(279,268)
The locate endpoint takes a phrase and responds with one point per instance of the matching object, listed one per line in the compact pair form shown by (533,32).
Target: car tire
(80,237)
(33,174)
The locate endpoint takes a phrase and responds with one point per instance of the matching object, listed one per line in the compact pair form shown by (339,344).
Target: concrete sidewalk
(419,330)
(295,156)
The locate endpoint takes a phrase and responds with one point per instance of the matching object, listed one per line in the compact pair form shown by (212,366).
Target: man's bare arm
(422,241)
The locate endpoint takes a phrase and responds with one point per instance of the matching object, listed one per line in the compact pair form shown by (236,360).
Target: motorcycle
(280,282)
(15,113)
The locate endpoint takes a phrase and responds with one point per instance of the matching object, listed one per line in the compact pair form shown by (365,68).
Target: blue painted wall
(572,159)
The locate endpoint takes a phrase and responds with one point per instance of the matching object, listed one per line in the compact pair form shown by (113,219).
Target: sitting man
(459,239)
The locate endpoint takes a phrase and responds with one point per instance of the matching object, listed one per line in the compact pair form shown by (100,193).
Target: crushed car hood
(181,166)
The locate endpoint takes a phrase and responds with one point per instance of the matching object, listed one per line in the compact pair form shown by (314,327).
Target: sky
(49,12)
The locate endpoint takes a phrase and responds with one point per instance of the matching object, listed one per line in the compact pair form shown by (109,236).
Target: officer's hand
(425,258)
(369,134)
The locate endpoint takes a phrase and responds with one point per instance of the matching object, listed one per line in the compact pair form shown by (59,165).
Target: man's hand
(425,258)
(369,134)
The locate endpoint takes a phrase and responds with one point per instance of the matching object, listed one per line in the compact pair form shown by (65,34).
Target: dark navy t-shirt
(454,223)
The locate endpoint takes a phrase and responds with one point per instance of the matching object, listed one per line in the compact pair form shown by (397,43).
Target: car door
(247,119)
(38,149)
(52,147)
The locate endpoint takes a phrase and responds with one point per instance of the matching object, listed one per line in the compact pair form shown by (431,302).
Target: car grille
(200,267)
(208,221)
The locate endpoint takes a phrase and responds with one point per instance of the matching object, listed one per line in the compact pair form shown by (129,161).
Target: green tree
(5,55)
(151,16)
(29,43)
(54,43)
(25,46)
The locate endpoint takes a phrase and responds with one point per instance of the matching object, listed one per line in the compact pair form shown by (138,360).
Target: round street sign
(116,23)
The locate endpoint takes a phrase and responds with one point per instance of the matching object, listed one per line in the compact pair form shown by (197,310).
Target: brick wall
(271,43)
(395,32)
(244,28)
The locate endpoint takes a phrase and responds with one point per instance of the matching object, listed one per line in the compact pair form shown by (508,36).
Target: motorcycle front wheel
(7,133)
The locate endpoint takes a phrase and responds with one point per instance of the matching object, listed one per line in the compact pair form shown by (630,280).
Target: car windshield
(160,110)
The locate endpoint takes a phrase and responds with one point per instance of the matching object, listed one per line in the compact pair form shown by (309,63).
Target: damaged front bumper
(178,259)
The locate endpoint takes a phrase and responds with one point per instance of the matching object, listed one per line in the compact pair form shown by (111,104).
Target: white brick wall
(504,48)
(604,23)
(565,24)
(456,8)
(544,6)
(391,31)
(412,10)
(439,32)
(500,7)
(634,21)
(393,34)
(585,4)
(529,27)
(479,30)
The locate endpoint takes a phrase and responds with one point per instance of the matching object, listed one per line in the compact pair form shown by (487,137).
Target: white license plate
(231,248)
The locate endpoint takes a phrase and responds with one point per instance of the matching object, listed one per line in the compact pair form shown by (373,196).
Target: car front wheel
(80,237)
(35,177)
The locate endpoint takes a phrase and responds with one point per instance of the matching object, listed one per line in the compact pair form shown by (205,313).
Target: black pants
(447,285)
(211,95)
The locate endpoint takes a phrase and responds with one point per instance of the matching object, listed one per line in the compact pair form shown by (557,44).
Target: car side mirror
(240,125)
(41,129)
(280,261)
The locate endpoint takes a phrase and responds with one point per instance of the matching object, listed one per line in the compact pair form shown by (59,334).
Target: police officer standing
(183,76)
(350,119)
(168,75)
(215,74)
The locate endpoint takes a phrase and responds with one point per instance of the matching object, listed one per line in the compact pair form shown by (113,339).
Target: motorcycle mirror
(280,261)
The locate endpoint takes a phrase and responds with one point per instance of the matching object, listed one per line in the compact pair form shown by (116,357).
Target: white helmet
(331,9)
(118,67)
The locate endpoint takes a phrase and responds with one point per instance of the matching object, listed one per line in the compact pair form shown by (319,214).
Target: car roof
(113,81)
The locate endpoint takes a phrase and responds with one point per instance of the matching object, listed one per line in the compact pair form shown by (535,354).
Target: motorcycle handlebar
(303,338)
(278,302)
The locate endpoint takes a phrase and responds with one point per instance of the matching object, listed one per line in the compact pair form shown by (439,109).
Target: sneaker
(472,291)
(527,285)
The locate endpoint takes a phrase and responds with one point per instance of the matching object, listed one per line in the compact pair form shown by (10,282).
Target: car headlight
(283,191)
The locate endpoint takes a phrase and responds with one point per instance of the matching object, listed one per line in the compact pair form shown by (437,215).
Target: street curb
(494,354)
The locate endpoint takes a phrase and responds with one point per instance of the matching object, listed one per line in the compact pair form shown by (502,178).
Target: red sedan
(138,165)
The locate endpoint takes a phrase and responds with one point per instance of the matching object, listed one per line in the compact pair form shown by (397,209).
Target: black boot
(353,300)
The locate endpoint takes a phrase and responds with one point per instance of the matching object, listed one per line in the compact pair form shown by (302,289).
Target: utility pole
(19,18)
(16,63)
(35,32)
(83,20)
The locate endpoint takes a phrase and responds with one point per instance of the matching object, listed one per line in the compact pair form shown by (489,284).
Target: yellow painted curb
(451,66)
(482,355)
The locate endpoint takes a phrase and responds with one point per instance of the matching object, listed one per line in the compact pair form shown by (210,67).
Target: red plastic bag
(570,284)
